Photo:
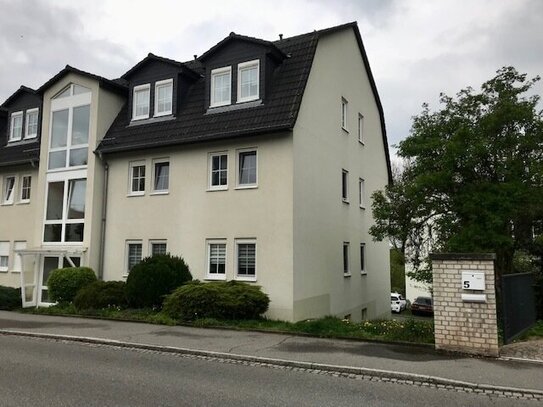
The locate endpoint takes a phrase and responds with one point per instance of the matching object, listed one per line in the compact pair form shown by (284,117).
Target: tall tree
(474,182)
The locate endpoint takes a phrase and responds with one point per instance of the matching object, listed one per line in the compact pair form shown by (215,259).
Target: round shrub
(63,284)
(101,294)
(10,298)
(218,299)
(155,277)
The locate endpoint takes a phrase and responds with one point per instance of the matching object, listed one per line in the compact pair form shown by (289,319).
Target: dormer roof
(272,48)
(152,57)
(16,94)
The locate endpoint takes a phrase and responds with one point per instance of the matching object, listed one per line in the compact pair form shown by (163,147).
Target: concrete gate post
(464,300)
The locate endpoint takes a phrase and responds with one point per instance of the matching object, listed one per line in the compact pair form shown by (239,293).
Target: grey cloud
(37,40)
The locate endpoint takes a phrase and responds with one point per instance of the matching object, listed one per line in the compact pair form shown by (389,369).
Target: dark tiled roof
(16,94)
(113,85)
(233,36)
(152,57)
(192,124)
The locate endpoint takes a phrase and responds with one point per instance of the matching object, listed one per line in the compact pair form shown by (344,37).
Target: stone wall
(466,325)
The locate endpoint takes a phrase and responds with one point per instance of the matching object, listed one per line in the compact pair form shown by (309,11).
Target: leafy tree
(474,175)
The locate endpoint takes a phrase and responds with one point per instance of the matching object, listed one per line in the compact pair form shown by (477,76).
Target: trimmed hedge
(217,299)
(101,294)
(10,298)
(63,284)
(155,277)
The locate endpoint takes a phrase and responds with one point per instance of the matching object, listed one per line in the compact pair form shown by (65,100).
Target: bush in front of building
(101,294)
(217,299)
(10,298)
(155,277)
(63,284)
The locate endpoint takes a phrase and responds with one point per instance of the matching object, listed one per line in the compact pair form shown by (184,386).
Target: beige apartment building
(255,161)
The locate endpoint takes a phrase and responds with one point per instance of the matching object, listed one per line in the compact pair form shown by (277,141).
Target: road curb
(385,375)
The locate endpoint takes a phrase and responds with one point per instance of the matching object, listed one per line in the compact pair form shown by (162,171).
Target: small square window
(26,181)
(161,176)
(363,258)
(345,186)
(361,193)
(158,247)
(8,190)
(137,178)
(163,97)
(16,129)
(344,104)
(221,87)
(216,259)
(360,128)
(346,269)
(218,171)
(248,81)
(247,169)
(246,260)
(140,102)
(133,254)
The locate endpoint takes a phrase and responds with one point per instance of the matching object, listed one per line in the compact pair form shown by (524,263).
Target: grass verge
(410,330)
(535,332)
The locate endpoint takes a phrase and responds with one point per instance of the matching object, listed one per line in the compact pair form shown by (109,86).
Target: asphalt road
(38,372)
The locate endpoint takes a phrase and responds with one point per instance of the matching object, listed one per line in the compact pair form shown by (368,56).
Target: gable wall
(322,222)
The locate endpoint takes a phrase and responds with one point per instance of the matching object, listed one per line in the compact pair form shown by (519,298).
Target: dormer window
(163,97)
(221,92)
(31,123)
(248,81)
(16,131)
(140,102)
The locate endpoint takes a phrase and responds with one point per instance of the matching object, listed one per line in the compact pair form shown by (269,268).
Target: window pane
(25,188)
(78,156)
(249,82)
(76,198)
(60,129)
(138,178)
(57,159)
(78,90)
(162,175)
(65,93)
(221,88)
(246,259)
(219,171)
(142,102)
(217,258)
(32,124)
(9,189)
(164,98)
(362,257)
(345,258)
(344,184)
(74,232)
(52,233)
(247,167)
(75,260)
(55,197)
(158,248)
(80,125)
(134,254)
(17,127)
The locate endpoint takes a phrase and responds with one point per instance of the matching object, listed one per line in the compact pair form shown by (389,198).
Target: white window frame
(158,85)
(237,243)
(127,253)
(241,67)
(344,186)
(361,128)
(5,200)
(21,188)
(344,114)
(363,269)
(214,73)
(131,166)
(346,273)
(238,168)
(12,136)
(215,276)
(28,113)
(17,258)
(5,253)
(153,242)
(64,177)
(210,186)
(362,193)
(139,88)
(153,179)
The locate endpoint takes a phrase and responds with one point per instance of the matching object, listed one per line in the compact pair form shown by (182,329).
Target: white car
(397,302)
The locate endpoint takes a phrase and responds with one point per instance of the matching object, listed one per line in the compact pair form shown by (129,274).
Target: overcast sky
(416,48)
